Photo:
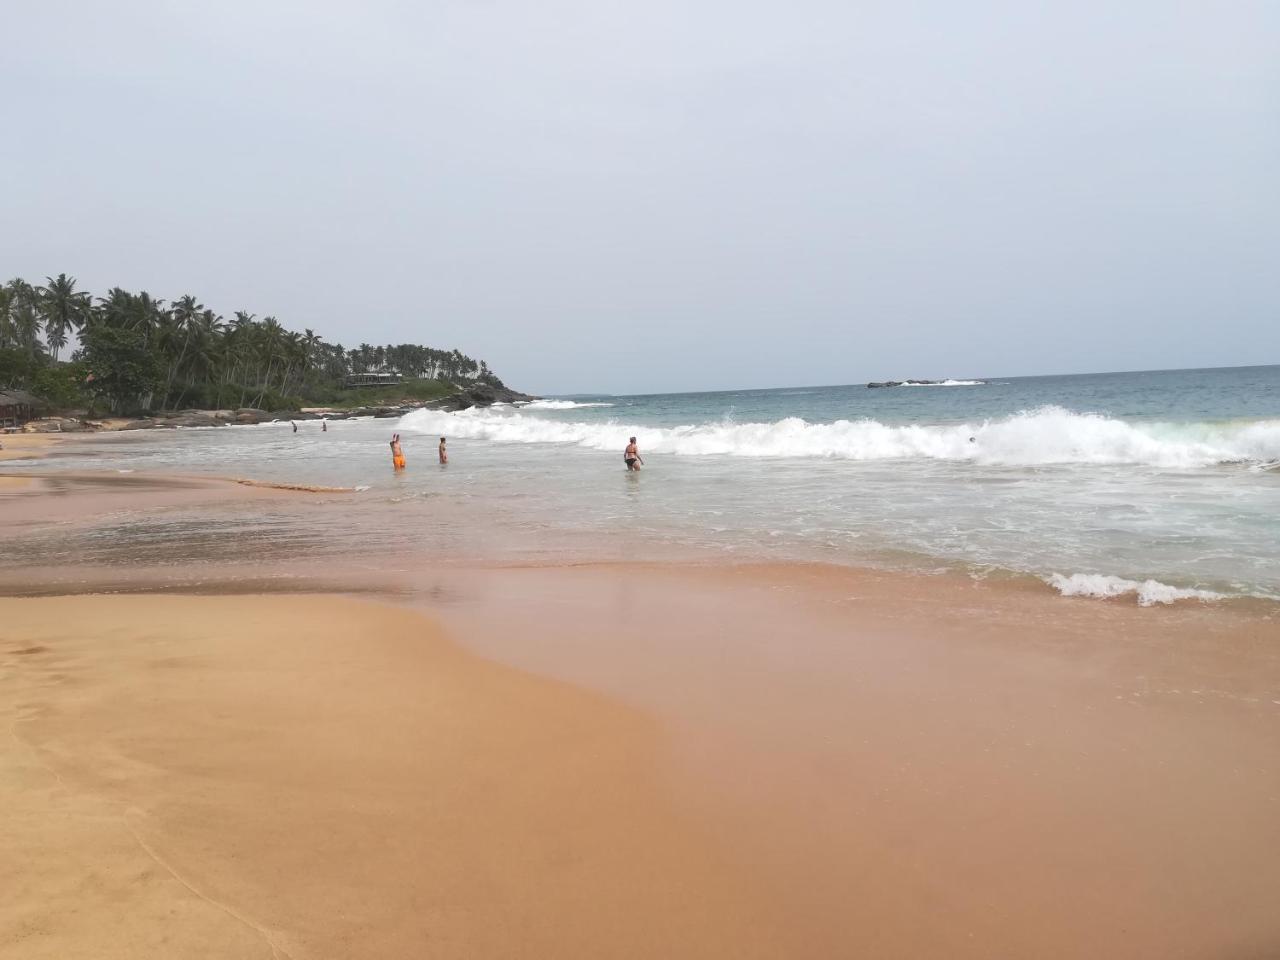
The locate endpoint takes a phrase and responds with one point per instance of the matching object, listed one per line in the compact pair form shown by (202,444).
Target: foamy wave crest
(1148,592)
(561,405)
(945,383)
(1050,435)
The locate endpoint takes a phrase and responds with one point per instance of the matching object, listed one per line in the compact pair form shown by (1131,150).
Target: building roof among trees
(19,398)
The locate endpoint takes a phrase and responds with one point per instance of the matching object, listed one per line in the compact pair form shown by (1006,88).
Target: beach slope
(325,777)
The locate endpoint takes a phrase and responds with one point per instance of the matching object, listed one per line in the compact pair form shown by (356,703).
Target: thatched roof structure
(20,398)
(17,407)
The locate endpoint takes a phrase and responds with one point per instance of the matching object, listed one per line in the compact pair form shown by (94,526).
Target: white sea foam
(1149,592)
(561,405)
(945,383)
(1049,435)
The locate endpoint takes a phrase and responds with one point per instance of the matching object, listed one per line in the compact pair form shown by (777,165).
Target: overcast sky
(657,195)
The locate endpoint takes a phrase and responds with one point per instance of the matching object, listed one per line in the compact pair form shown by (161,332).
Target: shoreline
(132,488)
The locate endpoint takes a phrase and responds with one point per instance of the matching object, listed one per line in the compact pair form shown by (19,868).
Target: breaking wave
(1049,435)
(944,383)
(1148,592)
(561,405)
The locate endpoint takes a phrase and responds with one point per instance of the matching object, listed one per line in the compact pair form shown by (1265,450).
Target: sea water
(1163,484)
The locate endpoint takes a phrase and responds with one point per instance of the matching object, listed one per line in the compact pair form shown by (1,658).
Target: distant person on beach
(632,456)
(324,424)
(294,425)
(397,454)
(444,454)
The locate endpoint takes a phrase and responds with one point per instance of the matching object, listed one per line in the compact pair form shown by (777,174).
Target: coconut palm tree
(194,353)
(24,316)
(62,309)
(175,329)
(7,335)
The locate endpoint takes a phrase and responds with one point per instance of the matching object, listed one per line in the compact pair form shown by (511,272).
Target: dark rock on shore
(55,425)
(481,395)
(917,383)
(251,415)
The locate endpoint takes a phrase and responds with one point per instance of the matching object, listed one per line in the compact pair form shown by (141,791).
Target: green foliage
(391,393)
(202,360)
(270,400)
(20,319)
(62,385)
(62,310)
(125,370)
(18,368)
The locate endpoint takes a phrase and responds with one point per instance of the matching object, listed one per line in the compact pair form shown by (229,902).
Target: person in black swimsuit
(632,456)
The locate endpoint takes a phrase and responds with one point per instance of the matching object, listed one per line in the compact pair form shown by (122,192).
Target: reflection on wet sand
(138,521)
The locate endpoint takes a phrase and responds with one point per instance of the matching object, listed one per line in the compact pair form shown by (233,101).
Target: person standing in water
(397,454)
(324,424)
(294,425)
(632,456)
(444,454)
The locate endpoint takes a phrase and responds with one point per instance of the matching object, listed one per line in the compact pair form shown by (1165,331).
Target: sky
(627,197)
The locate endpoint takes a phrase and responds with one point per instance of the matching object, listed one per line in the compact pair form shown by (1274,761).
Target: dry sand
(289,777)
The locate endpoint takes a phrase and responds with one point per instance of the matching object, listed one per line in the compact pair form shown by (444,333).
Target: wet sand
(929,766)
(27,446)
(632,760)
(84,498)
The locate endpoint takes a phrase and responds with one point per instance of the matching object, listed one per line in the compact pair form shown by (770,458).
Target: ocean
(1160,484)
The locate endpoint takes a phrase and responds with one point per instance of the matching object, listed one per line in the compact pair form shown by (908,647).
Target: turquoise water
(1164,484)
(1178,395)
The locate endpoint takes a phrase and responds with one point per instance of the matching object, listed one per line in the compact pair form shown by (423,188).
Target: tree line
(136,352)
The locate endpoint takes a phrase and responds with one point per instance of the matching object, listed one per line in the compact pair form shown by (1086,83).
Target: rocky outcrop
(55,425)
(481,395)
(921,383)
(251,415)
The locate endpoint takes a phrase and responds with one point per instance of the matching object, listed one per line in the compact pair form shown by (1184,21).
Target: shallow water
(1096,483)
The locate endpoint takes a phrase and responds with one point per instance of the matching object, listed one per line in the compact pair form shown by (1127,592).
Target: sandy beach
(611,759)
(320,778)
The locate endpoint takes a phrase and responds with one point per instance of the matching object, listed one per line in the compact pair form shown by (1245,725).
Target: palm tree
(62,309)
(204,333)
(176,326)
(24,316)
(197,355)
(150,315)
(7,334)
(311,347)
(115,309)
(270,339)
